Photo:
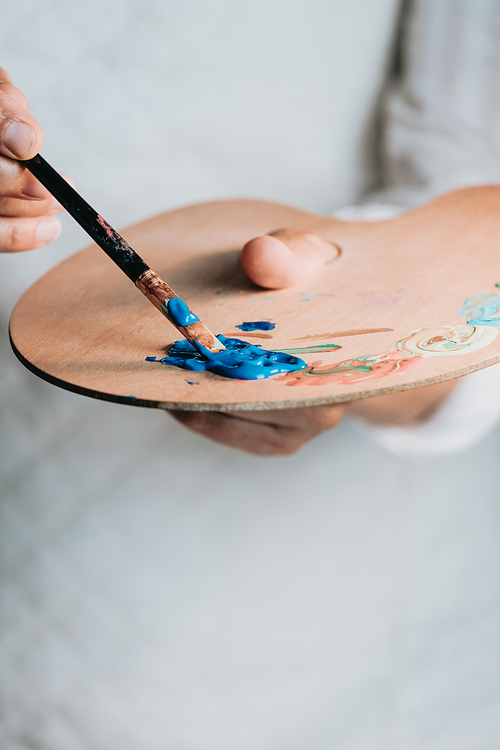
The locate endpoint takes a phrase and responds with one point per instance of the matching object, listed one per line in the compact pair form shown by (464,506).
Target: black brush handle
(96,227)
(150,284)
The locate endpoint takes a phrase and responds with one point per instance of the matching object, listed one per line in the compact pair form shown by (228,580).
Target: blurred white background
(160,591)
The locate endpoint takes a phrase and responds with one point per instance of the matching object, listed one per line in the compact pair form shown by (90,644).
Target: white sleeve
(467,415)
(441,116)
(441,131)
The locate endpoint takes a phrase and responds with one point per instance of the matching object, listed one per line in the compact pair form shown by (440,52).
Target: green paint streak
(370,361)
(498,284)
(308,349)
(336,369)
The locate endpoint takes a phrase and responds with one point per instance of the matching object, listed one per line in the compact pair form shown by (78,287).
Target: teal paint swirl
(482,310)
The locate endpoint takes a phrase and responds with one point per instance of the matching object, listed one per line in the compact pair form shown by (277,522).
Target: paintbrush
(151,285)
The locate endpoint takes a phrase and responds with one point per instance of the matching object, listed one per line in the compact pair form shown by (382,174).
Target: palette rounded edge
(92,314)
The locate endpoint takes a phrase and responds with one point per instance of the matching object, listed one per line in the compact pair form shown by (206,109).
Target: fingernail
(18,139)
(48,229)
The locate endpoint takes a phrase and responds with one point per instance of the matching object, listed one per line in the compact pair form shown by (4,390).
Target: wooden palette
(83,326)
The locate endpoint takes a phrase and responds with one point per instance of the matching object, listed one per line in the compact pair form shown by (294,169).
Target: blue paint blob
(240,360)
(257,325)
(180,313)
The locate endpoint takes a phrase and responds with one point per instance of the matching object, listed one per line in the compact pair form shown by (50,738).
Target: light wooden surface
(85,327)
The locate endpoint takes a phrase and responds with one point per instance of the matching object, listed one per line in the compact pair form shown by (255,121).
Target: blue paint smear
(482,310)
(257,325)
(240,360)
(180,313)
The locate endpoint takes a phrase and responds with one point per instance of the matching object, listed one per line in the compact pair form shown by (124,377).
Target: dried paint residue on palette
(410,352)
(355,370)
(483,312)
(247,361)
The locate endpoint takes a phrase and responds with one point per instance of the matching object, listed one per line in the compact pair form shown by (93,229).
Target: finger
(285,257)
(17,235)
(4,76)
(17,182)
(260,433)
(312,419)
(258,439)
(21,137)
(25,208)
(29,187)
(21,194)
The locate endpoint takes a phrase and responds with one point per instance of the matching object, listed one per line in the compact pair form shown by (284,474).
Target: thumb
(21,136)
(285,257)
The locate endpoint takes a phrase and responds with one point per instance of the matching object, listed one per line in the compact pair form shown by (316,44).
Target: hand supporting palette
(388,315)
